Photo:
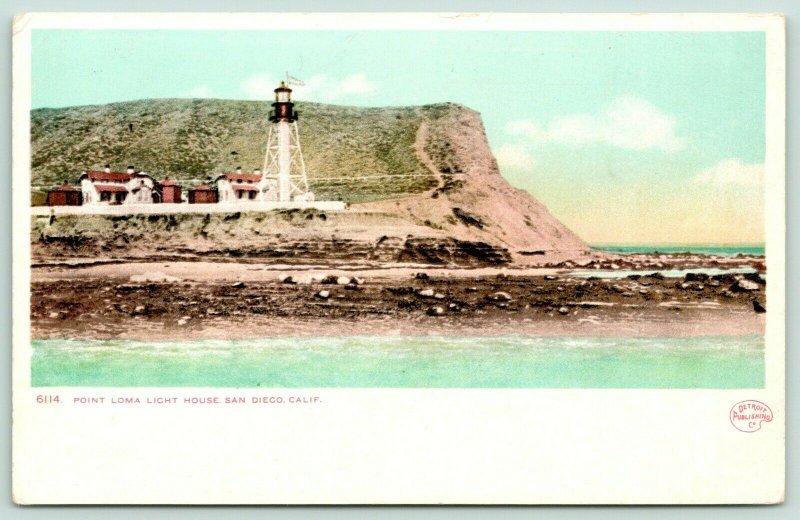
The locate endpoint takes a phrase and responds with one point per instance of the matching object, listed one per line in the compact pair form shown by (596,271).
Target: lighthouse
(284,178)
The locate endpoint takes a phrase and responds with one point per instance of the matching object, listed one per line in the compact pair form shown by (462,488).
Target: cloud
(627,122)
(731,172)
(514,156)
(201,91)
(357,84)
(259,86)
(318,87)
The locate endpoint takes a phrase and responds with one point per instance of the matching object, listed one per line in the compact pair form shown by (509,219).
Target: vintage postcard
(398,258)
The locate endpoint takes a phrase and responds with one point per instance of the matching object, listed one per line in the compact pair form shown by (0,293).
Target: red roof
(244,187)
(245,177)
(115,189)
(168,182)
(202,187)
(65,187)
(107,176)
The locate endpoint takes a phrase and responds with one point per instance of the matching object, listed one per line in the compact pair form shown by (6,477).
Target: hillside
(432,192)
(196,139)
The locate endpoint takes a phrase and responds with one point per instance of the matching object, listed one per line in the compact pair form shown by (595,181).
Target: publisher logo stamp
(747,416)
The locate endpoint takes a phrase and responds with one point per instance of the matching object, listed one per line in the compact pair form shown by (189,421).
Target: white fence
(170,209)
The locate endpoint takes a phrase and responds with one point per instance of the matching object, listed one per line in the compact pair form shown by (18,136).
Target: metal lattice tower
(284,177)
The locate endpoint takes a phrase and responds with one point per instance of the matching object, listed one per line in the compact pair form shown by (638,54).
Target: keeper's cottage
(107,187)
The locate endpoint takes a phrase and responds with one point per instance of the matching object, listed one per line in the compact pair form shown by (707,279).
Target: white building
(240,187)
(107,187)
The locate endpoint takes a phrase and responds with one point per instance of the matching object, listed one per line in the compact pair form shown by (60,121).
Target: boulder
(427,293)
(745,286)
(435,311)
(501,296)
(755,277)
(563,311)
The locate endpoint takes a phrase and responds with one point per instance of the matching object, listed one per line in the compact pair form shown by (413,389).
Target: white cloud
(731,171)
(514,156)
(357,84)
(201,91)
(318,87)
(627,122)
(259,86)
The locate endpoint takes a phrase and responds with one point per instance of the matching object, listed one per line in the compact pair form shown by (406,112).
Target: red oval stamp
(747,416)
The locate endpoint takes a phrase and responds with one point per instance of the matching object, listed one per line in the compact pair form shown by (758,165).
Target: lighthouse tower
(284,178)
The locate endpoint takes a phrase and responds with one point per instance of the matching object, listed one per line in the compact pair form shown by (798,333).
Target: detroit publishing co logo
(747,416)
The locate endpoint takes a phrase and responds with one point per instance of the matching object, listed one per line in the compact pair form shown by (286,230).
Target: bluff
(422,184)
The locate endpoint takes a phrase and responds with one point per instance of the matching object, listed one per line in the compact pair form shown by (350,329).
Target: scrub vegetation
(352,154)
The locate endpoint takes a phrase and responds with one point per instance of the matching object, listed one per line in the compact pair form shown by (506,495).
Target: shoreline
(197,300)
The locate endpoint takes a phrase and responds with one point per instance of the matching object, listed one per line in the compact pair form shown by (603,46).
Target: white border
(405,446)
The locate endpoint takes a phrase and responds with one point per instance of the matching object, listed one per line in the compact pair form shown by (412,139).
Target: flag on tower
(291,80)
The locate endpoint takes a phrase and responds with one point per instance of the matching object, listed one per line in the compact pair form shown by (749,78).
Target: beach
(234,300)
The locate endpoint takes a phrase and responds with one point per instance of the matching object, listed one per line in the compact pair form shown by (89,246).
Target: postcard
(407,258)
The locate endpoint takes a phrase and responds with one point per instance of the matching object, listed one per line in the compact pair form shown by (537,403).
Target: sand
(185,300)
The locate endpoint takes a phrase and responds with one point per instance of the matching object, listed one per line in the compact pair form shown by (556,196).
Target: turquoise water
(727,250)
(406,362)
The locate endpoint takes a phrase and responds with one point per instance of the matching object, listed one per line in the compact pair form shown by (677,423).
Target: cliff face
(471,200)
(423,185)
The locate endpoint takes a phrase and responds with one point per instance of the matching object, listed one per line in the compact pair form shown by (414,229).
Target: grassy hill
(432,183)
(196,139)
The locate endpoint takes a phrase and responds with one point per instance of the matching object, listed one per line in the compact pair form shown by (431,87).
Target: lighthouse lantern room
(284,176)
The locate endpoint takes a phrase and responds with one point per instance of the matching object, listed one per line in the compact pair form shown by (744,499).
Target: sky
(626,137)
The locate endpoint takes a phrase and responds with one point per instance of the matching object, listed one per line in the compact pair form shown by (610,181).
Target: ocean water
(406,362)
(719,250)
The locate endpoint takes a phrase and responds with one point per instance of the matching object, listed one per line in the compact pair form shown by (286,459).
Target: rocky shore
(193,300)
